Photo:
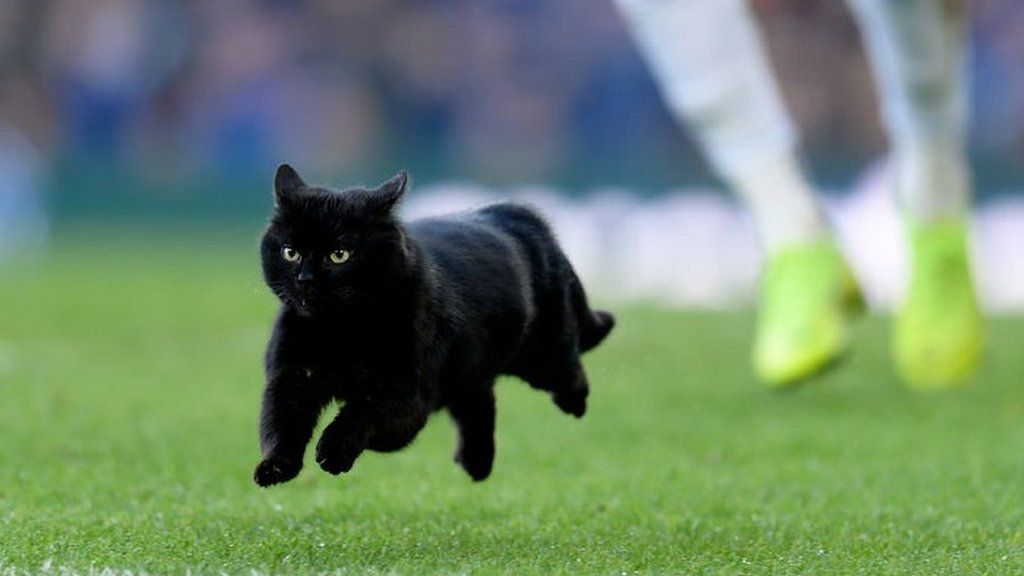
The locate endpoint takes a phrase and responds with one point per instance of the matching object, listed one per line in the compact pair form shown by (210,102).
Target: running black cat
(395,321)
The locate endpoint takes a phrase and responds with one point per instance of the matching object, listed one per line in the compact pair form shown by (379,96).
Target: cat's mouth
(306,307)
(318,304)
(311,306)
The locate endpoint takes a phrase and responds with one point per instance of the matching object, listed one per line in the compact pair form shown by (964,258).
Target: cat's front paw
(275,471)
(336,453)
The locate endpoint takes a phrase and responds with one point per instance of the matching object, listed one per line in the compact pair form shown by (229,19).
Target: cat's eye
(339,256)
(290,254)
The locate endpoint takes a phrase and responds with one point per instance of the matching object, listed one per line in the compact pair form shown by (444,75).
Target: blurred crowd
(491,90)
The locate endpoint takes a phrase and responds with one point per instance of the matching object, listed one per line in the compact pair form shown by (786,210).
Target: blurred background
(171,115)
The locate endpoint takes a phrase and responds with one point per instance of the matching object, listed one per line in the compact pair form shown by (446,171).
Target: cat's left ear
(391,191)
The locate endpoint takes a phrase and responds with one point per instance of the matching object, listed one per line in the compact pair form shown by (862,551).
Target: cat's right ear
(286,183)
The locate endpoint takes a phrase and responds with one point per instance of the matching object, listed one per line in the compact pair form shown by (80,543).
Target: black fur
(421,316)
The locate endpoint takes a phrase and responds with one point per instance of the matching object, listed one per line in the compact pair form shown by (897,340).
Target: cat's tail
(601,324)
(541,245)
(594,325)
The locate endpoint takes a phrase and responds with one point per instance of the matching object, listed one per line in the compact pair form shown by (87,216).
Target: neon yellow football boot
(809,298)
(938,334)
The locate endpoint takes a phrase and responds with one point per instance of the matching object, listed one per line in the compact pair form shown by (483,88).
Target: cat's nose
(304,277)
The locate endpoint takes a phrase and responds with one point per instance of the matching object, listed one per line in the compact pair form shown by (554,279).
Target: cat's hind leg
(571,395)
(569,327)
(555,367)
(474,414)
(550,356)
(567,382)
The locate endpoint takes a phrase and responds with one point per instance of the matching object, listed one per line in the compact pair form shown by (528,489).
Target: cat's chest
(347,369)
(337,366)
(348,362)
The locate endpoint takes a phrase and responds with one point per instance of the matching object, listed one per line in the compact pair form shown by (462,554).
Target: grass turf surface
(129,386)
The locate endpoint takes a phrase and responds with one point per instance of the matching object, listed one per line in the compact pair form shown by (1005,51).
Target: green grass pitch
(129,386)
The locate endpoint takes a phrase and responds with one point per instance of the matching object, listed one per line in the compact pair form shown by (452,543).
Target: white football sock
(708,60)
(917,52)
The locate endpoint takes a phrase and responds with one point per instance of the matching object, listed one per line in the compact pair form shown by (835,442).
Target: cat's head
(327,250)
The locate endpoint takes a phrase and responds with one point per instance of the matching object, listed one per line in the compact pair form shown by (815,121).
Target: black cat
(396,321)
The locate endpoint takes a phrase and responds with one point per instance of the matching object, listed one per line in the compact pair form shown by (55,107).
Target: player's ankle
(932,180)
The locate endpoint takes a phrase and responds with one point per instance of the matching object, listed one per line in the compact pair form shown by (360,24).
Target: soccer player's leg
(707,58)
(918,55)
(809,297)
